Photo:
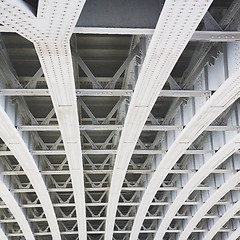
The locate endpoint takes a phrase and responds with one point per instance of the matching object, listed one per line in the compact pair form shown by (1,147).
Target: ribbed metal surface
(65,127)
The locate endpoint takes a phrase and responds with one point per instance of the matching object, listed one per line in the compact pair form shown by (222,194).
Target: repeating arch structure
(96,57)
(214,198)
(222,154)
(221,99)
(224,219)
(50,32)
(235,234)
(164,50)
(17,212)
(15,143)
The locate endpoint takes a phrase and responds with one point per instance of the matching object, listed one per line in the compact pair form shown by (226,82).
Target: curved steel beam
(16,211)
(15,143)
(64,101)
(208,167)
(165,48)
(221,100)
(214,198)
(50,33)
(235,235)
(224,219)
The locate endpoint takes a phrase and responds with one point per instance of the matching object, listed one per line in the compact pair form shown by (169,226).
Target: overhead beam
(107,15)
(115,232)
(106,152)
(223,220)
(35,220)
(226,95)
(135,171)
(130,204)
(16,211)
(222,154)
(198,36)
(235,235)
(124,189)
(47,128)
(215,36)
(15,143)
(51,41)
(163,52)
(229,185)
(105,93)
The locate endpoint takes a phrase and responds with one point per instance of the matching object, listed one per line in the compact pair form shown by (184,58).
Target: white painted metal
(224,219)
(99,30)
(235,235)
(164,50)
(63,96)
(130,189)
(97,152)
(141,171)
(223,98)
(107,127)
(221,155)
(16,211)
(170,190)
(216,36)
(50,32)
(215,197)
(133,204)
(15,143)
(117,232)
(104,92)
(119,127)
(205,36)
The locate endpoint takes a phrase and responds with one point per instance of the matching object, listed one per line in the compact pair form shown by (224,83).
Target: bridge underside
(126,119)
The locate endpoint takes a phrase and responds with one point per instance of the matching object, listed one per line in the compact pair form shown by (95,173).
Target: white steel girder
(52,45)
(50,32)
(215,197)
(164,50)
(16,211)
(205,36)
(235,234)
(103,92)
(211,164)
(15,143)
(220,101)
(223,219)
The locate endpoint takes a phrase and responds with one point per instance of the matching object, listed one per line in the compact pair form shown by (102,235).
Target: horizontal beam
(100,152)
(119,127)
(200,36)
(134,171)
(115,232)
(85,119)
(105,92)
(65,219)
(124,189)
(113,152)
(79,92)
(124,204)
(98,128)
(216,36)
